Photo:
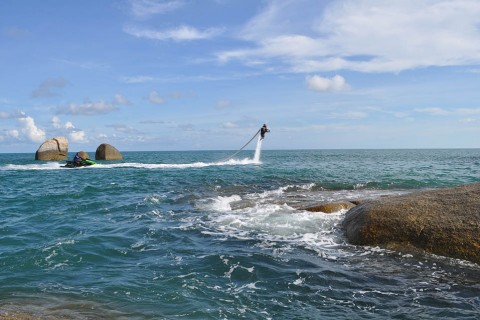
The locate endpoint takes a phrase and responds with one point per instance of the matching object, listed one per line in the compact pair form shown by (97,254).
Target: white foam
(282,190)
(59,166)
(219,204)
(273,224)
(267,218)
(40,166)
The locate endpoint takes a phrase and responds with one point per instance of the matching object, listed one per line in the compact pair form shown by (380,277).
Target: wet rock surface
(442,221)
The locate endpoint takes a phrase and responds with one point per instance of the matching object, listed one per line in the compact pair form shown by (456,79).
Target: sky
(152,75)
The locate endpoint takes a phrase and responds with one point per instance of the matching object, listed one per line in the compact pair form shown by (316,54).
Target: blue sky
(206,74)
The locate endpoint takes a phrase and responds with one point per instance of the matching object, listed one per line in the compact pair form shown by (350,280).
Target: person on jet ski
(77,160)
(264,130)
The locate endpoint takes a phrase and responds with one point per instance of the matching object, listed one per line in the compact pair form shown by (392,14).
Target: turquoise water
(180,235)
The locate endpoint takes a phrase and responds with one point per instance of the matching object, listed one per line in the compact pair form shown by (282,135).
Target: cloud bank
(363,35)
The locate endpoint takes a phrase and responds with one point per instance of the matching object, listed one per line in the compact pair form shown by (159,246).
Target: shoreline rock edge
(441,221)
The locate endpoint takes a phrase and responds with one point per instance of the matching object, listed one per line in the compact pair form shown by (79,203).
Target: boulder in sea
(53,149)
(107,152)
(330,207)
(83,154)
(444,222)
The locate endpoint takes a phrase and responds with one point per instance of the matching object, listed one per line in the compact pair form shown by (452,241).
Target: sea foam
(59,165)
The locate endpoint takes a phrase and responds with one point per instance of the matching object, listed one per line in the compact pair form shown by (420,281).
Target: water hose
(237,152)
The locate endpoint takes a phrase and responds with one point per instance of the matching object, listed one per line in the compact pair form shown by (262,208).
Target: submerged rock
(444,222)
(53,149)
(331,207)
(107,152)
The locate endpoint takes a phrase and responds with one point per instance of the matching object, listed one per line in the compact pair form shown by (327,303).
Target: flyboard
(261,135)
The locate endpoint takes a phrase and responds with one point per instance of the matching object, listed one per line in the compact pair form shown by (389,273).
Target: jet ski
(82,163)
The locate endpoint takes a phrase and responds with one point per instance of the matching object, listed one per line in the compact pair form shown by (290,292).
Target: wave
(176,165)
(41,166)
(276,221)
(59,165)
(273,226)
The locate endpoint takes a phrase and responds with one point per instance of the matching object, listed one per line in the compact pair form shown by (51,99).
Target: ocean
(200,235)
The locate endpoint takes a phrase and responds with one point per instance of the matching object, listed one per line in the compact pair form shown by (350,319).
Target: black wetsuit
(263,130)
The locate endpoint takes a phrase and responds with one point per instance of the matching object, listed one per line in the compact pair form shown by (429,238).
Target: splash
(258,150)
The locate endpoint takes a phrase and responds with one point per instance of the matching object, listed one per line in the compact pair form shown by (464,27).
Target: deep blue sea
(189,235)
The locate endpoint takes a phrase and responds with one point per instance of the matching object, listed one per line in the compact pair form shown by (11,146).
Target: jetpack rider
(263,130)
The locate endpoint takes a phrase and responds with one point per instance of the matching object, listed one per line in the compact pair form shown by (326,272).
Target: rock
(331,207)
(444,222)
(358,201)
(53,149)
(83,154)
(107,152)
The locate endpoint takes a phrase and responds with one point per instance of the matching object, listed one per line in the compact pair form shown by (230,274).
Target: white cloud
(433,111)
(336,83)
(69,125)
(146,8)
(354,115)
(229,125)
(77,136)
(123,128)
(286,47)
(120,100)
(468,120)
(155,98)
(138,79)
(30,130)
(57,123)
(363,35)
(88,108)
(469,111)
(13,134)
(436,111)
(181,33)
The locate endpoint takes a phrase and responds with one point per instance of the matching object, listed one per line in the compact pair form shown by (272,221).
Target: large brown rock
(444,222)
(53,149)
(107,152)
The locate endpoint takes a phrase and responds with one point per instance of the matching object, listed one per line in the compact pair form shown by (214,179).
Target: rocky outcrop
(53,149)
(330,207)
(107,152)
(83,154)
(444,222)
